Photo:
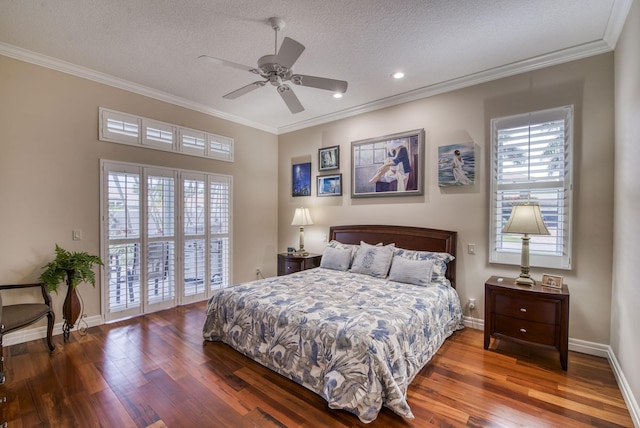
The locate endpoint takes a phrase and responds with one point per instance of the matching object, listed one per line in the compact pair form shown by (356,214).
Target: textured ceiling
(152,47)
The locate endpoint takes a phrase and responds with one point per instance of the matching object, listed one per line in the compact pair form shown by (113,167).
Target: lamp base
(525,280)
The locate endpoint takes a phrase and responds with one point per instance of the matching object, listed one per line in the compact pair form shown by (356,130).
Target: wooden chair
(17,316)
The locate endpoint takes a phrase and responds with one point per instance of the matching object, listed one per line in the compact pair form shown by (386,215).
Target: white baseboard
(627,394)
(598,350)
(27,334)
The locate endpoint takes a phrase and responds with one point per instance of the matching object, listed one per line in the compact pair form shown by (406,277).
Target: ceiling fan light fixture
(276,69)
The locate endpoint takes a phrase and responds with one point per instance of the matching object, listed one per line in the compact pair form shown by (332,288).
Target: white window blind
(123,128)
(166,234)
(220,147)
(158,134)
(124,239)
(161,237)
(194,235)
(219,209)
(531,162)
(193,141)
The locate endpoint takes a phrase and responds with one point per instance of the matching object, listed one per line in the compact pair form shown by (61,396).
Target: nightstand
(291,262)
(532,315)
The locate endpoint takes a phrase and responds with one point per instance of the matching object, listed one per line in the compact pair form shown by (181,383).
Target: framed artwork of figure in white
(457,164)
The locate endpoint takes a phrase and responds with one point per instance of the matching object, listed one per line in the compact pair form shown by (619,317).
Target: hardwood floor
(156,371)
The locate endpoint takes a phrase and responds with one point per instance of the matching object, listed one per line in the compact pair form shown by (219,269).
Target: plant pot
(70,309)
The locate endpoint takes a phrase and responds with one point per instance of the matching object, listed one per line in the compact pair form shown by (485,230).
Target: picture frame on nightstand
(553,281)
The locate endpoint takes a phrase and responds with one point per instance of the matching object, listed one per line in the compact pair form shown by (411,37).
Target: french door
(166,237)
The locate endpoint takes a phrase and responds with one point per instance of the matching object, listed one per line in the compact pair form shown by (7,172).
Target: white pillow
(373,260)
(409,271)
(336,258)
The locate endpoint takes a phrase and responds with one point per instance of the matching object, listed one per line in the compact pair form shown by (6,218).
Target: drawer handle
(523,309)
(523,330)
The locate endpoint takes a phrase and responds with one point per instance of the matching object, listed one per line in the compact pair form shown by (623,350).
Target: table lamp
(302,218)
(526,219)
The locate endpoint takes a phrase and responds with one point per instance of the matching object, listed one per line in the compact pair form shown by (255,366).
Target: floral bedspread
(355,340)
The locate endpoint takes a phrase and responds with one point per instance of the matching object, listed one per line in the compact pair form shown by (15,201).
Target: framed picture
(330,185)
(552,281)
(301,179)
(456,165)
(392,165)
(329,158)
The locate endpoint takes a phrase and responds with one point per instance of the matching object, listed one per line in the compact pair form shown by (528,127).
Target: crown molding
(619,14)
(96,76)
(542,61)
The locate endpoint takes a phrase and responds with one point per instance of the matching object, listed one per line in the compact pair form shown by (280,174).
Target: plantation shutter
(531,162)
(166,234)
(124,240)
(219,212)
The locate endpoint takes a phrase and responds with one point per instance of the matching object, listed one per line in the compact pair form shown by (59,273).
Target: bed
(356,336)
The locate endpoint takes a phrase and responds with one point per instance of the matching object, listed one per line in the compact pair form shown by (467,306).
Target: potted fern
(74,268)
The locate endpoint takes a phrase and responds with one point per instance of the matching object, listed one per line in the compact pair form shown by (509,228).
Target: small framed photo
(301,179)
(552,281)
(330,185)
(329,158)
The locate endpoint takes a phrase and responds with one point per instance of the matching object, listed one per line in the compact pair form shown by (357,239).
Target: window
(123,128)
(158,134)
(166,237)
(531,162)
(371,154)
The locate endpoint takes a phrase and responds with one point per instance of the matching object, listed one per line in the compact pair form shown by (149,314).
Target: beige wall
(49,172)
(462,116)
(625,316)
(49,181)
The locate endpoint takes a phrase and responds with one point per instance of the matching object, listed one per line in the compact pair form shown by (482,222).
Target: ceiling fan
(277,69)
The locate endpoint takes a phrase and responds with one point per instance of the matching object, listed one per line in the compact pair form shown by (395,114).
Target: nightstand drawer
(530,309)
(291,266)
(292,263)
(544,334)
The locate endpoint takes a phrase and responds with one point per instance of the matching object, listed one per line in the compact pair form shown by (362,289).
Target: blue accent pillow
(373,260)
(439,260)
(410,271)
(336,258)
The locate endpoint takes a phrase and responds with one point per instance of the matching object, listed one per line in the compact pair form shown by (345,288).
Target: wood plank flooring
(156,371)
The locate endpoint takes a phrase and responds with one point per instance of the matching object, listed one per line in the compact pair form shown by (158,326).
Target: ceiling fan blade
(228,63)
(320,83)
(289,52)
(245,89)
(290,98)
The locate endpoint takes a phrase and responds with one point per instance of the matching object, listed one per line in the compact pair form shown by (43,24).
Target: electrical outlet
(471,304)
(77,234)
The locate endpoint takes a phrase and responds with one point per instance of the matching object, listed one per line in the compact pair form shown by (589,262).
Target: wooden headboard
(410,238)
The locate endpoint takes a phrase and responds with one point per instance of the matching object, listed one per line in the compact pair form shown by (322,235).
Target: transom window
(123,128)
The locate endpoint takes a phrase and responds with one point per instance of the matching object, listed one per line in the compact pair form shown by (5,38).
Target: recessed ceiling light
(337,95)
(398,75)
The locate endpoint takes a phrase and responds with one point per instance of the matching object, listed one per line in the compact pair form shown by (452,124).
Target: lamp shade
(526,219)
(301,217)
